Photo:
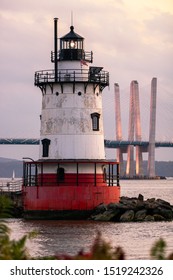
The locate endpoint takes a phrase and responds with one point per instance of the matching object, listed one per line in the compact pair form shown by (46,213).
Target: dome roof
(72,35)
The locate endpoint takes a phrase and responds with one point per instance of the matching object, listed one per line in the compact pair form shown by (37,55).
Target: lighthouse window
(95,121)
(45,143)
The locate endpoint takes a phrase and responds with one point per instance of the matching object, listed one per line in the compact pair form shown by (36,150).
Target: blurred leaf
(158,250)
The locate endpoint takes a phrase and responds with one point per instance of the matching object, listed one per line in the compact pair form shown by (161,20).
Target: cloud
(159,30)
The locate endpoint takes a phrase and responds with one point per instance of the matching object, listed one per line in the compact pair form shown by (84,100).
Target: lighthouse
(71,176)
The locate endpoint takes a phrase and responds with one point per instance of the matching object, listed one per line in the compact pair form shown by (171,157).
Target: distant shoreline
(7,166)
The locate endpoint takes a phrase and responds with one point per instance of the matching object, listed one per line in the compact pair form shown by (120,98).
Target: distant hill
(163,168)
(7,166)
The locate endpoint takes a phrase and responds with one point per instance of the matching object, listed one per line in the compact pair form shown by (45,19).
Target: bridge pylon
(134,166)
(118,127)
(134,132)
(152,129)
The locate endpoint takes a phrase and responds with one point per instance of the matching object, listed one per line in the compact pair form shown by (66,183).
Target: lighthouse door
(60,175)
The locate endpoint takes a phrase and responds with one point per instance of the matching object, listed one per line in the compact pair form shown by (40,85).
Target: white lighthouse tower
(71,119)
(72,173)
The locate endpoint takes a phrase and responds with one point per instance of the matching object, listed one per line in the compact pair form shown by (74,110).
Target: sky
(131,39)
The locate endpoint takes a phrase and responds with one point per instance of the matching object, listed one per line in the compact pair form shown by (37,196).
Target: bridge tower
(118,126)
(72,173)
(152,129)
(134,131)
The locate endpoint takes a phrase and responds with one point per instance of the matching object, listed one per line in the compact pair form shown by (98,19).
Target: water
(60,237)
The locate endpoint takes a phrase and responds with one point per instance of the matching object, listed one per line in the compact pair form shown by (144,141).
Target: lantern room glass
(72,44)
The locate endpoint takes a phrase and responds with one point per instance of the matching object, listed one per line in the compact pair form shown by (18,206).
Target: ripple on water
(60,237)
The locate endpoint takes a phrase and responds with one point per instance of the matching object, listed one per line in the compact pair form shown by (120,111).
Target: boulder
(158,218)
(140,197)
(106,216)
(140,205)
(164,204)
(140,215)
(112,206)
(166,213)
(100,208)
(151,200)
(117,214)
(121,206)
(128,216)
(128,203)
(151,204)
(149,218)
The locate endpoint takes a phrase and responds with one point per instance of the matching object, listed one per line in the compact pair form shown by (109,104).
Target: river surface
(69,237)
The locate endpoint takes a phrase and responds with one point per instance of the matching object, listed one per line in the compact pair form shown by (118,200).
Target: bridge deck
(108,143)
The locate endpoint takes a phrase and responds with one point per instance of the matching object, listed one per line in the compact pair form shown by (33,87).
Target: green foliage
(5,206)
(158,251)
(11,249)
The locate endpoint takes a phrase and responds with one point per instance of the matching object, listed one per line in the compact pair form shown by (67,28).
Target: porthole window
(45,142)
(95,121)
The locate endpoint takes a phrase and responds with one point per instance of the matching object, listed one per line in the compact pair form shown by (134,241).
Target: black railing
(80,55)
(71,75)
(34,174)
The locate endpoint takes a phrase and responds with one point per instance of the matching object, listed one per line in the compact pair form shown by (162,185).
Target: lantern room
(72,47)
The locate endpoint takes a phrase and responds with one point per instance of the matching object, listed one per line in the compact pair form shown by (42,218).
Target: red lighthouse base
(61,195)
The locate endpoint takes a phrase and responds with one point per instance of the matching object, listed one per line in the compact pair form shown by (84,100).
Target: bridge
(135,146)
(110,144)
(118,144)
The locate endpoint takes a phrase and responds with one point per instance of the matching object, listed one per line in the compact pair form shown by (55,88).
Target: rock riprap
(134,209)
